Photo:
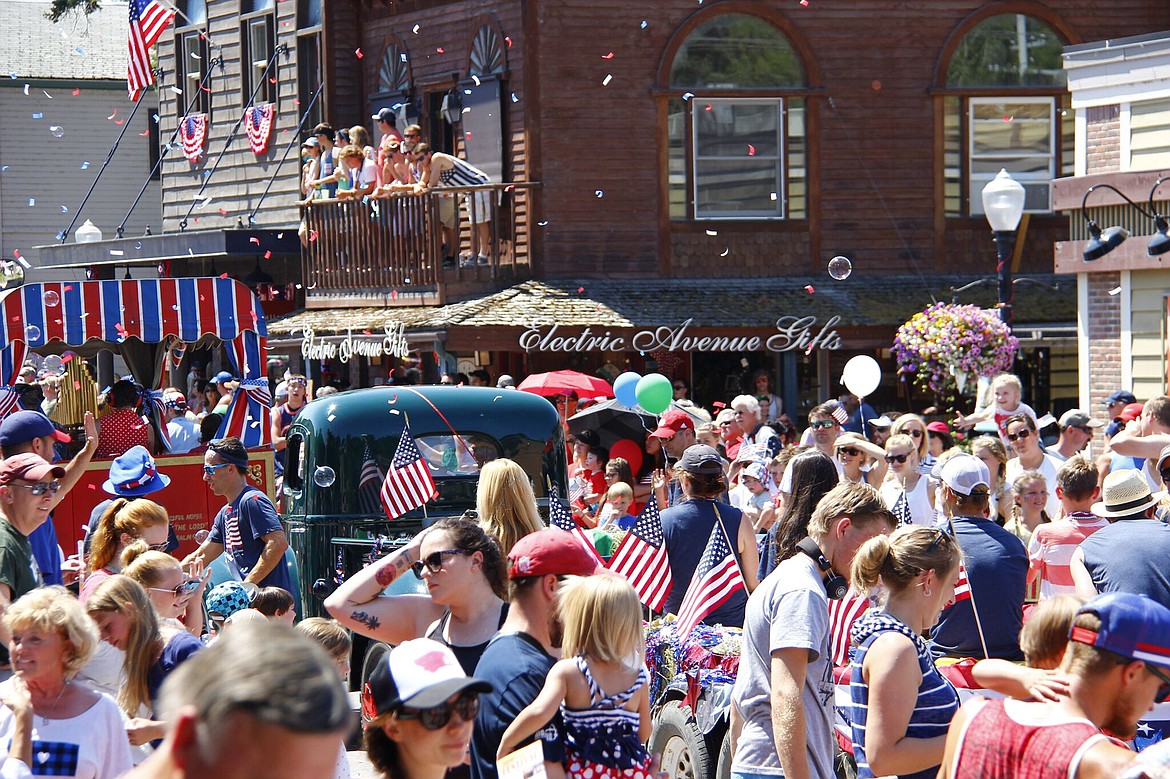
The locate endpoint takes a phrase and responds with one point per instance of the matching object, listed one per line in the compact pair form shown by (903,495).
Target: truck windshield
(448,456)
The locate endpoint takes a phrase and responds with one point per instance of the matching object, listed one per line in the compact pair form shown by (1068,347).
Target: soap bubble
(57,130)
(33,333)
(201,536)
(52,299)
(840,268)
(53,364)
(324,476)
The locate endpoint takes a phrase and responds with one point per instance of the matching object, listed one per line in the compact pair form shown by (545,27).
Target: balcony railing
(416,246)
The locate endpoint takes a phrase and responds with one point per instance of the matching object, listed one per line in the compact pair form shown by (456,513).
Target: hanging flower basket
(946,347)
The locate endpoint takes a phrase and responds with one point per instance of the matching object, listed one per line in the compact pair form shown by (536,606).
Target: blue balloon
(624,388)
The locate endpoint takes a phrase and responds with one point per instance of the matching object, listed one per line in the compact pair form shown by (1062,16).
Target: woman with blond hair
(506,503)
(906,491)
(991,451)
(176,596)
(901,704)
(123,523)
(915,427)
(52,638)
(127,621)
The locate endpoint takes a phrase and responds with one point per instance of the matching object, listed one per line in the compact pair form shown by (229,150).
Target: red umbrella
(556,383)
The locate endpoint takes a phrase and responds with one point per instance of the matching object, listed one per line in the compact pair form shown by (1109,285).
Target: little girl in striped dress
(603,645)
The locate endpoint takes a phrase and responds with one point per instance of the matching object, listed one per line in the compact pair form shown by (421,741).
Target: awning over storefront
(736,307)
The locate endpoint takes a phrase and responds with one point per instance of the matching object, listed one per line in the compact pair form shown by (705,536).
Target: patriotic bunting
(258,120)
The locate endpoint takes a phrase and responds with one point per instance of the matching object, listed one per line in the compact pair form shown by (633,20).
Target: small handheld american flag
(642,558)
(560,518)
(716,579)
(408,482)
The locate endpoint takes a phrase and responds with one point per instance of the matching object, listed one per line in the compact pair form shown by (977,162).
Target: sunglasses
(823,424)
(725,424)
(1164,689)
(185,587)
(897,458)
(41,487)
(848,451)
(1165,475)
(914,433)
(939,535)
(434,561)
(410,135)
(159,547)
(437,717)
(1084,429)
(210,470)
(1013,437)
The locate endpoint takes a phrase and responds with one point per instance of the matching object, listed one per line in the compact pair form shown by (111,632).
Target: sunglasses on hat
(438,717)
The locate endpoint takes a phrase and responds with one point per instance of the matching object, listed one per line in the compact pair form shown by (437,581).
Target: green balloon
(654,393)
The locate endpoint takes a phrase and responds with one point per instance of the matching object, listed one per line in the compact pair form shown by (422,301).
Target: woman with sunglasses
(905,491)
(123,523)
(176,596)
(902,706)
(421,708)
(915,427)
(127,621)
(861,461)
(466,580)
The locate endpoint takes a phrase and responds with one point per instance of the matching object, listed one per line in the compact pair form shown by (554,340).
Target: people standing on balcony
(362,173)
(448,171)
(386,123)
(327,180)
(311,168)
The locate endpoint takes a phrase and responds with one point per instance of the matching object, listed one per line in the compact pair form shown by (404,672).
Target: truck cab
(339,449)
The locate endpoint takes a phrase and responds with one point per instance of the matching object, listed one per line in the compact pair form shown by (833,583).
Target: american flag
(901,510)
(842,614)
(408,482)
(148,20)
(839,412)
(962,585)
(716,579)
(642,558)
(559,517)
(369,483)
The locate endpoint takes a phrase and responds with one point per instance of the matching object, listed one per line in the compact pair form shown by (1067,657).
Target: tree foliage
(62,8)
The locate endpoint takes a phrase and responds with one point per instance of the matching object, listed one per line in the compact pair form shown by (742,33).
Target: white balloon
(862,375)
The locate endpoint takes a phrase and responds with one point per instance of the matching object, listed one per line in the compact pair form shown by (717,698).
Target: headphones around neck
(836,585)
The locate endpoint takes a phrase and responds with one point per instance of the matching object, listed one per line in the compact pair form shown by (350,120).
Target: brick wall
(1104,337)
(1103,138)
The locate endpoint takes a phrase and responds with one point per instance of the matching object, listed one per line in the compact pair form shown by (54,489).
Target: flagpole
(733,547)
(974,608)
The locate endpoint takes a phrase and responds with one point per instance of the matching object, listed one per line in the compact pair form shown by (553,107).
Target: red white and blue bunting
(193,133)
(258,120)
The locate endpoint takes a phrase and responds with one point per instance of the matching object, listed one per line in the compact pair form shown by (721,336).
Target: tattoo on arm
(369,620)
(390,570)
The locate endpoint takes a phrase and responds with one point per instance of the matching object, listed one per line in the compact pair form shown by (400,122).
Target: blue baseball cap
(223,377)
(24,426)
(1131,626)
(134,474)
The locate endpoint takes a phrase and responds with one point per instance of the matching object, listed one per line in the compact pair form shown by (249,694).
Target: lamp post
(1003,204)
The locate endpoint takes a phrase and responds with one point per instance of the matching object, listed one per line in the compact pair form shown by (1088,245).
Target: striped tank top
(937,700)
(462,174)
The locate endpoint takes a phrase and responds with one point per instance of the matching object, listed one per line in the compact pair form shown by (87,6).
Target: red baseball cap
(1131,412)
(672,422)
(29,467)
(550,551)
(938,427)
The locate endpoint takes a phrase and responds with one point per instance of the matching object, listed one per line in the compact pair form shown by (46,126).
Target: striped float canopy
(91,316)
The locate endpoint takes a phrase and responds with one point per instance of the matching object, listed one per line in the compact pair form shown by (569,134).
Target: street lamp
(1101,242)
(1003,204)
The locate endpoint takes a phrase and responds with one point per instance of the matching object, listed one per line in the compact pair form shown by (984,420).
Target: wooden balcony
(394,251)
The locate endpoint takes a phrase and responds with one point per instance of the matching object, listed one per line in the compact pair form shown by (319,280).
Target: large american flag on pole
(716,579)
(148,20)
(369,483)
(408,482)
(559,517)
(642,558)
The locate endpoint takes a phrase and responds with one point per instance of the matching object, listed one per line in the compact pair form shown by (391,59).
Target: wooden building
(670,143)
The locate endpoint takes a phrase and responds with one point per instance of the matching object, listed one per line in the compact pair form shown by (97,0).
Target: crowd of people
(344,164)
(876,554)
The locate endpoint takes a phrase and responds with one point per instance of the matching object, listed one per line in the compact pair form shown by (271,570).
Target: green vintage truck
(335,521)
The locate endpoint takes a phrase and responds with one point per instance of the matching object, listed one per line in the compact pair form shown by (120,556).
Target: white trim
(1126,318)
(1125,127)
(1089,98)
(780,104)
(1080,145)
(1079,755)
(1083,365)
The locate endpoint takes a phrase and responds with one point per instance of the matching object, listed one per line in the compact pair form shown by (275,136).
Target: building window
(394,84)
(309,76)
(1005,106)
(735,123)
(257,44)
(192,58)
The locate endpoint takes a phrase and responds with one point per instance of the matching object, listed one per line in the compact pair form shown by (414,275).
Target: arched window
(394,71)
(192,56)
(487,52)
(257,44)
(736,122)
(1005,106)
